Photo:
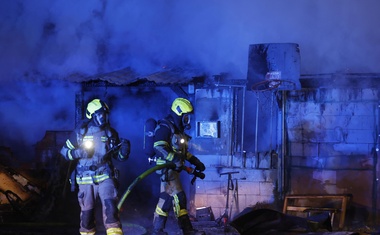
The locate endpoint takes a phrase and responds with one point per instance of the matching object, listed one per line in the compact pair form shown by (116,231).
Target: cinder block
(266,188)
(360,136)
(255,175)
(216,200)
(251,200)
(361,122)
(303,149)
(249,187)
(201,200)
(295,135)
(212,174)
(207,187)
(370,94)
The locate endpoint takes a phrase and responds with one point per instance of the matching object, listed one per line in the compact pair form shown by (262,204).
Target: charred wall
(332,134)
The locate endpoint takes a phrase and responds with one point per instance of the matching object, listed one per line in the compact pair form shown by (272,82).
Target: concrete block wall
(332,135)
(250,186)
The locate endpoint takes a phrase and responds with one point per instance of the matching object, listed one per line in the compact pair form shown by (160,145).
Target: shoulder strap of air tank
(167,123)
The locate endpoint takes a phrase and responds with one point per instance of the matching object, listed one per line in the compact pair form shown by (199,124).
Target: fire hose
(169,165)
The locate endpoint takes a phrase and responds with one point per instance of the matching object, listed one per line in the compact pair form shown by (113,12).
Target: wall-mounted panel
(213,118)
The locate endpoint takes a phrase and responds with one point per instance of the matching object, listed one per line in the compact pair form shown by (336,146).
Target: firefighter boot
(186,226)
(159,225)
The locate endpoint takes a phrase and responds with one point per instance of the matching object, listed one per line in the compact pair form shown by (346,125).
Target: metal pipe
(230,132)
(283,147)
(256,131)
(243,152)
(375,160)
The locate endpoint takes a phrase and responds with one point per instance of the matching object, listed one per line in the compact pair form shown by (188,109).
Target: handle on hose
(192,171)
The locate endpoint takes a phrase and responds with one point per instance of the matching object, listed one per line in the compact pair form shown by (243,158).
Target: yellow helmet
(181,106)
(95,105)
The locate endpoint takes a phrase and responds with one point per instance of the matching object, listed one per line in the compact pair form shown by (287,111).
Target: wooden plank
(344,198)
(297,208)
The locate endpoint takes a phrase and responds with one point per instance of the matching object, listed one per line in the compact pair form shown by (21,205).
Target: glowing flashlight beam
(88,144)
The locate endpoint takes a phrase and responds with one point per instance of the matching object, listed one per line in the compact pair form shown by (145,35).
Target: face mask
(100,118)
(186,121)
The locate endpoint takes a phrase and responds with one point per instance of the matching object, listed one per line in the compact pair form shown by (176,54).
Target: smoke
(29,109)
(46,44)
(61,39)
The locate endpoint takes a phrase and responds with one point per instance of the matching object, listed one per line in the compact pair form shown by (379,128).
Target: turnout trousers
(107,194)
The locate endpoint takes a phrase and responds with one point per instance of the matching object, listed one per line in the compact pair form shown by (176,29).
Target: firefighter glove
(81,153)
(197,163)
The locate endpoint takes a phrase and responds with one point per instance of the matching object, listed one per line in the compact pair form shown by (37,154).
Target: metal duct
(274,66)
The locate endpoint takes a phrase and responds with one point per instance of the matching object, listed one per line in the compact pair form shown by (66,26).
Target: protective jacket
(93,148)
(94,164)
(170,144)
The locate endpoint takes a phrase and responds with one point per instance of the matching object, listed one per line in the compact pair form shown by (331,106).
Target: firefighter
(170,144)
(93,146)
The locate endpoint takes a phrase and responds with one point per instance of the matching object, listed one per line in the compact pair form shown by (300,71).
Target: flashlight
(88,144)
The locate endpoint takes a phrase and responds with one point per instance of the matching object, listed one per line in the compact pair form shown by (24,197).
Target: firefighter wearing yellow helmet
(170,145)
(92,147)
